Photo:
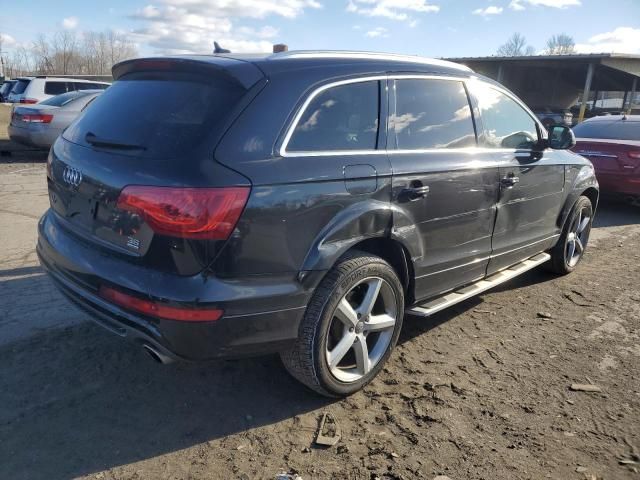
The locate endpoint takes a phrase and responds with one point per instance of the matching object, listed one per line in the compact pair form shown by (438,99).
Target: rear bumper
(249,326)
(619,184)
(33,136)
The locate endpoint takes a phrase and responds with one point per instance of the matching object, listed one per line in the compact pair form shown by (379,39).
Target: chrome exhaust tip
(156,355)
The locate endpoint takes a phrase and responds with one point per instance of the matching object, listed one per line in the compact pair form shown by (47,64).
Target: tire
(564,257)
(330,326)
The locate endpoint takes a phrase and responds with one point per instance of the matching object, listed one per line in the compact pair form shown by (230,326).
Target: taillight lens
(197,213)
(36,118)
(635,154)
(28,100)
(157,309)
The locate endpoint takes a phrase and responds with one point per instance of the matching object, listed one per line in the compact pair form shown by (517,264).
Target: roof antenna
(218,49)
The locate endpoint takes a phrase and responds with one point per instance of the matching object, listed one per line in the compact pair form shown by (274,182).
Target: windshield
(615,130)
(164,115)
(20,86)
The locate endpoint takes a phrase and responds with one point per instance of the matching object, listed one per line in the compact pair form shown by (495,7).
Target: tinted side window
(432,114)
(340,118)
(20,86)
(55,88)
(618,130)
(506,124)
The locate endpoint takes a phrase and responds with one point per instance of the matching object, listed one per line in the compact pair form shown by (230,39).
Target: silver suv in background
(36,89)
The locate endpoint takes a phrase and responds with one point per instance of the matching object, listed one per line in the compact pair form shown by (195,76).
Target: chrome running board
(435,305)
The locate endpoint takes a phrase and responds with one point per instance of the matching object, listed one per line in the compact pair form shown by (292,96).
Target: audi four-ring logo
(72,176)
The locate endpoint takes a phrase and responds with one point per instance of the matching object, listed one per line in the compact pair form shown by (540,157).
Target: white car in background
(36,89)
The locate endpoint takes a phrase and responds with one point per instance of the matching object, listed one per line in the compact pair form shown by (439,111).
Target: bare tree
(516,46)
(561,44)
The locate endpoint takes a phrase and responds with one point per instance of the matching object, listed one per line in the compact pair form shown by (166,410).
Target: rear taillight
(28,100)
(196,213)
(634,154)
(158,309)
(36,118)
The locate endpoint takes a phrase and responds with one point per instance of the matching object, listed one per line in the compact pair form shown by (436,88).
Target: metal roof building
(560,80)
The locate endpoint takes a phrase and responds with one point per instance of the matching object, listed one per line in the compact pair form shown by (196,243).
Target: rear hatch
(134,175)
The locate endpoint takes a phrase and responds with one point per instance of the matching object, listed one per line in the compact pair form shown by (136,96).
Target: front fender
(578,179)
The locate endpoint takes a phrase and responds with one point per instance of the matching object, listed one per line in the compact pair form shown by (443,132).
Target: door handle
(509,181)
(415,193)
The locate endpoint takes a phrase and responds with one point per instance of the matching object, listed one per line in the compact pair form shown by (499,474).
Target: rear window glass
(615,130)
(156,115)
(20,86)
(432,114)
(60,100)
(340,118)
(55,88)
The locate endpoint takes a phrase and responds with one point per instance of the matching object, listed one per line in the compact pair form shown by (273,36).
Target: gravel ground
(479,391)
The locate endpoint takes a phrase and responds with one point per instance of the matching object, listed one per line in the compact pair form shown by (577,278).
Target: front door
(531,181)
(443,186)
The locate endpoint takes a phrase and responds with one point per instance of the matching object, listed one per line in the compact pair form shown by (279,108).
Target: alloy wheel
(361,329)
(577,237)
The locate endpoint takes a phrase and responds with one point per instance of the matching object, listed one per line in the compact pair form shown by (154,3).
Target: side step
(451,298)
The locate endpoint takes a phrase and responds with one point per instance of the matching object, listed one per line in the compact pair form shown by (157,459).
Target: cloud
(519,4)
(191,26)
(7,40)
(620,40)
(70,23)
(392,9)
(486,12)
(377,32)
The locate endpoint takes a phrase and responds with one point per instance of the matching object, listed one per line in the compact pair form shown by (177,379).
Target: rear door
(531,181)
(444,186)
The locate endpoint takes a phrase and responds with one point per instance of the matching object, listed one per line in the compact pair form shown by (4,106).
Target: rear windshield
(20,86)
(616,130)
(63,99)
(156,115)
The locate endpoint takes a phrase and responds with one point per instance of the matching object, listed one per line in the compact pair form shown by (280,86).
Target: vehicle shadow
(11,152)
(77,400)
(614,213)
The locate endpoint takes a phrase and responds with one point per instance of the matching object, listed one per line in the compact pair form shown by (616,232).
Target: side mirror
(561,137)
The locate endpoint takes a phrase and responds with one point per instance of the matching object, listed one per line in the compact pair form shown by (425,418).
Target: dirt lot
(479,391)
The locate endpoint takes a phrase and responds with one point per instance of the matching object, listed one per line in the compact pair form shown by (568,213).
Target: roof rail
(369,55)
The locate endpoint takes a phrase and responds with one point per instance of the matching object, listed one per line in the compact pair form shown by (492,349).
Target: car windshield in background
(161,115)
(20,86)
(60,100)
(615,130)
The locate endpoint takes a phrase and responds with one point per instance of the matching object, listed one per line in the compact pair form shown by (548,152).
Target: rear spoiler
(238,71)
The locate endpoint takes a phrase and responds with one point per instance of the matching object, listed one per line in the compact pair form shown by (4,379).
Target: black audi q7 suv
(301,203)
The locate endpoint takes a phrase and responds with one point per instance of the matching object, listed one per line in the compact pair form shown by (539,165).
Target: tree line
(69,53)
(516,46)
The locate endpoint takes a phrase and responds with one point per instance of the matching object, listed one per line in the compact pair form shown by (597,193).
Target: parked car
(37,89)
(5,89)
(301,202)
(551,117)
(39,125)
(612,143)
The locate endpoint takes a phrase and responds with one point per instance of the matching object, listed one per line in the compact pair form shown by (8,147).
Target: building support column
(587,90)
(633,94)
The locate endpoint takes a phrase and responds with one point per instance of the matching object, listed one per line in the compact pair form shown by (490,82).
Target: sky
(433,28)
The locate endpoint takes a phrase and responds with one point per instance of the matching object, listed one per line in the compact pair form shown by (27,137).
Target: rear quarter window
(55,88)
(166,115)
(340,118)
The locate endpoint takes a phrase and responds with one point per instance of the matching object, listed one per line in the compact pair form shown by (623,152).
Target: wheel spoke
(583,224)
(340,350)
(346,314)
(369,300)
(378,323)
(579,246)
(362,355)
(571,249)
